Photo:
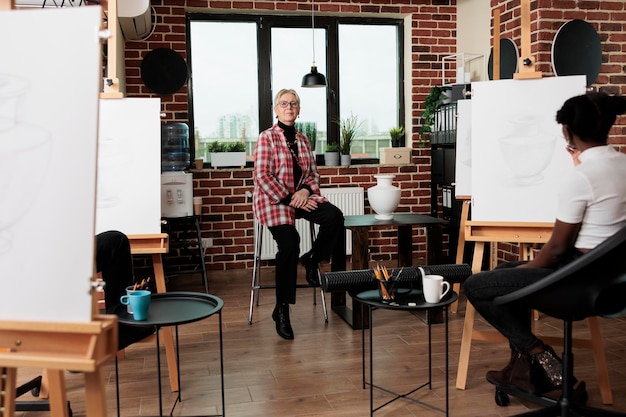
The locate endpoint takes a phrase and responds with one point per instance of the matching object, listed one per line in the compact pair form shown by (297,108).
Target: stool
(186,224)
(256,273)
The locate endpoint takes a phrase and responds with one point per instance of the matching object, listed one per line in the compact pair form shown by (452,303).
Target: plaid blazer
(274,177)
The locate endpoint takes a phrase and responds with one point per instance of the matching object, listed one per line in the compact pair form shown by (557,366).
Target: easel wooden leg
(8,392)
(58,393)
(460,250)
(94,393)
(597,344)
(468,323)
(44,392)
(168,337)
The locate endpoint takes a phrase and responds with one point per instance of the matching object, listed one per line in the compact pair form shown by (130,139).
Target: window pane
(369,85)
(225,83)
(292,55)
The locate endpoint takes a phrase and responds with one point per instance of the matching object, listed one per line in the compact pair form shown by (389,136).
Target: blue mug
(139,301)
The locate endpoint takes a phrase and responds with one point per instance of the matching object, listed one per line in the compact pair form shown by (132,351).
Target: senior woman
(286,187)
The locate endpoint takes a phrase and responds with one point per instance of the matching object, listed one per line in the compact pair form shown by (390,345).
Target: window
(238,62)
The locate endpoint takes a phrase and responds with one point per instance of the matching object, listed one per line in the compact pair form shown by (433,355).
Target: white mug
(434,287)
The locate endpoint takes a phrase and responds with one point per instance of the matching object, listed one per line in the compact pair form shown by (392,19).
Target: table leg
(405,245)
(360,260)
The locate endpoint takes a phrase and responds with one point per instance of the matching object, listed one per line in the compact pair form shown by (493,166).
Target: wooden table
(360,226)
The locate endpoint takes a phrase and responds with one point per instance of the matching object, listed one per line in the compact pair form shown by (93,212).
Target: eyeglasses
(285,104)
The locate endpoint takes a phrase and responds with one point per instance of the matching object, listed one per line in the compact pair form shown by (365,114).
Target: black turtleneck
(292,144)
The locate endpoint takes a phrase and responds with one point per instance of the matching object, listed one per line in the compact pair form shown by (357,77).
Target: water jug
(174,146)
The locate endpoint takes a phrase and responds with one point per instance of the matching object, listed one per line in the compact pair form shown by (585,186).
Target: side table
(175,309)
(360,226)
(410,302)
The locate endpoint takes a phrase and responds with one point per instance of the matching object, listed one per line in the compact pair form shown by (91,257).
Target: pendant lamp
(313,78)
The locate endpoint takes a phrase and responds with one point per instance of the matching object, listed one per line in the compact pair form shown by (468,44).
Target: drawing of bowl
(527,156)
(11,88)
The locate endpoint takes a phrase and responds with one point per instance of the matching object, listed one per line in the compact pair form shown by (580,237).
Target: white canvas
(463,164)
(518,151)
(49,86)
(129,166)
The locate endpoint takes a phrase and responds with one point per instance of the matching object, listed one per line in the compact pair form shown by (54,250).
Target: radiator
(348,199)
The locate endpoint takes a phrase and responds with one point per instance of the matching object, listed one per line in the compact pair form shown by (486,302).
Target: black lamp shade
(314,79)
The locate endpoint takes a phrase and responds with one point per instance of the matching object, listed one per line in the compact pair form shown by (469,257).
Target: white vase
(384,197)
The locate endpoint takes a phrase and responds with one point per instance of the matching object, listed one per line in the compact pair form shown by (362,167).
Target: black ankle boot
(517,373)
(283,324)
(312,267)
(550,369)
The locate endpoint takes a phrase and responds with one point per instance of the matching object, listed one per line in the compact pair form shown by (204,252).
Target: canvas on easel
(129,166)
(518,153)
(48,131)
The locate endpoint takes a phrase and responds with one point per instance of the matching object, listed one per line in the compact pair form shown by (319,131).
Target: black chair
(593,285)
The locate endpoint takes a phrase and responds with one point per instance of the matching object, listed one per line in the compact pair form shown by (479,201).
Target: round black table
(175,309)
(411,301)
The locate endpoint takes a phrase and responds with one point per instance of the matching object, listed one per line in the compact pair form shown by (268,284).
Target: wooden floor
(320,373)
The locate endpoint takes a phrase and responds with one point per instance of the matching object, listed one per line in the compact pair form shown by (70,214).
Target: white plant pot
(345,160)
(228,159)
(384,197)
(331,158)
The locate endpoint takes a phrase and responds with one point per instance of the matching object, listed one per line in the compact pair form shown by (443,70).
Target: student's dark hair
(591,116)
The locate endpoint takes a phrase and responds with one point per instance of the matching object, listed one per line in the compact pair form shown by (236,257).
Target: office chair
(592,285)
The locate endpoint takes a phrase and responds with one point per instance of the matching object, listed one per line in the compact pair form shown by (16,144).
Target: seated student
(114,262)
(591,207)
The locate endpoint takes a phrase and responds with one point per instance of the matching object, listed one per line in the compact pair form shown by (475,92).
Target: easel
(156,245)
(57,347)
(524,234)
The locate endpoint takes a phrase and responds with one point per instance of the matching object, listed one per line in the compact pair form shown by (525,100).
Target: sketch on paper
(48,134)
(517,150)
(129,166)
(21,144)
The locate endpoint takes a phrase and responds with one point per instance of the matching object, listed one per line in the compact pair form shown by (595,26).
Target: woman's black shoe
(283,325)
(312,269)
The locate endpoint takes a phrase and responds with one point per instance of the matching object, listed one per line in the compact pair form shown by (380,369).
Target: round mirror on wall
(577,50)
(509,58)
(163,71)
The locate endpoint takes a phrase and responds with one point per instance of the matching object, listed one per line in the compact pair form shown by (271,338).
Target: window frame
(264,24)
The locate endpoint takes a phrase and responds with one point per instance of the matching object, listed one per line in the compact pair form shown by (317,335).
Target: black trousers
(329,245)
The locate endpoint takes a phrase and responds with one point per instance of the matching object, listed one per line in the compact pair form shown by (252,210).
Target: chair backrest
(592,285)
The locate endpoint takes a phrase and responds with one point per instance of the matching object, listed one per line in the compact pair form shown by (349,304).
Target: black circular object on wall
(576,50)
(508,60)
(163,71)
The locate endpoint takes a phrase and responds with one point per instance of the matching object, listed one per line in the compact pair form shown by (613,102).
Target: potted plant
(396,133)
(331,154)
(433,100)
(227,154)
(348,128)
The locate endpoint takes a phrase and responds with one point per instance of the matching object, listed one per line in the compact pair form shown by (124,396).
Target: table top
(412,301)
(366,220)
(173,308)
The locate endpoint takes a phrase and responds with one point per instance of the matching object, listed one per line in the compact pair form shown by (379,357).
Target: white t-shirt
(595,195)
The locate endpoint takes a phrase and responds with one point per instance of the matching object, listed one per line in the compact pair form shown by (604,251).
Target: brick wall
(227,215)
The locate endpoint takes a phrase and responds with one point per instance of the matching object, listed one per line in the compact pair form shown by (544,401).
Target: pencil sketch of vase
(527,150)
(110,169)
(21,145)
